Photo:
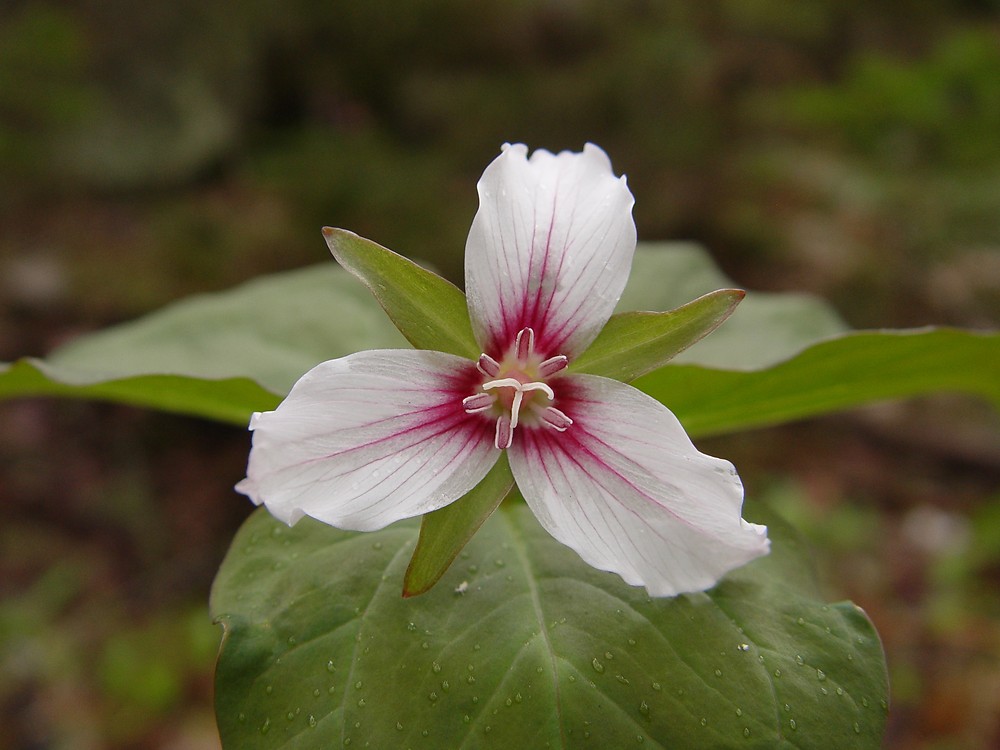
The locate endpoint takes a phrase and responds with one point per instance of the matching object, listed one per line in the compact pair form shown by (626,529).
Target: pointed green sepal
(428,310)
(635,343)
(444,532)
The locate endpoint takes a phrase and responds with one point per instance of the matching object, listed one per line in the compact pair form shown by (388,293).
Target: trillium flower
(378,436)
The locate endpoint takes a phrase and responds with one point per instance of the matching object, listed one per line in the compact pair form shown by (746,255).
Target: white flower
(369,439)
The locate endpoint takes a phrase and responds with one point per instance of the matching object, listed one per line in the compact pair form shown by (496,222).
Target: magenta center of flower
(514,390)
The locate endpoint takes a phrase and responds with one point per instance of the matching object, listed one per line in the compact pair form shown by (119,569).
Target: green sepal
(428,310)
(635,343)
(444,532)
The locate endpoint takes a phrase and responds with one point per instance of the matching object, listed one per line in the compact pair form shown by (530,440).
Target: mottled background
(153,150)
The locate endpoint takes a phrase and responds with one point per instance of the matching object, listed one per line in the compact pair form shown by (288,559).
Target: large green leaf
(226,355)
(219,355)
(836,374)
(765,329)
(524,646)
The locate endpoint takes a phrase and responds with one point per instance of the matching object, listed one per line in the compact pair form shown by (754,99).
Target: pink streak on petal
(369,439)
(626,488)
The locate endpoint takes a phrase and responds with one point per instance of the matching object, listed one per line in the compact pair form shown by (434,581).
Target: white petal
(550,248)
(626,489)
(369,439)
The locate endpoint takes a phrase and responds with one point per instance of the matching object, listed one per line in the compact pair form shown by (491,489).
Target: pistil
(510,386)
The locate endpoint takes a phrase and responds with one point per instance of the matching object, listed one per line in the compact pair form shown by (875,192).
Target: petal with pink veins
(625,487)
(369,439)
(550,249)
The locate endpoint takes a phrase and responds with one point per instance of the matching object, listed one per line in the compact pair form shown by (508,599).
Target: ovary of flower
(511,389)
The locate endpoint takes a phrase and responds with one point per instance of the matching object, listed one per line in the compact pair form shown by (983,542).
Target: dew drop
(622,679)
(657,686)
(631,641)
(608,655)
(739,711)
(718,673)
(471,667)
(885,704)
(746,731)
(399,727)
(644,709)
(598,667)
(266,726)
(411,626)
(292,640)
(470,679)
(538,670)
(357,685)
(269,689)
(518,698)
(332,689)
(857,728)
(572,678)
(744,647)
(824,691)
(312,721)
(801,621)
(820,675)
(435,667)
(290,716)
(509,703)
(787,708)
(466,719)
(640,739)
(433,696)
(864,701)
(347,742)
(445,685)
(316,693)
(242,717)
(361,703)
(840,691)
(476,647)
(475,699)
(425,645)
(499,562)
(424,733)
(777,673)
(799,660)
(487,729)
(792,725)
(704,722)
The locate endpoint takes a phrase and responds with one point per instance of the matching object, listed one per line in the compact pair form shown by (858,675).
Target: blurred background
(153,150)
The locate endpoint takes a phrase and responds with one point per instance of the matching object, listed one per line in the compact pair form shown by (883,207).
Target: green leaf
(523,645)
(430,311)
(764,330)
(220,355)
(854,369)
(447,530)
(228,354)
(635,343)
(225,400)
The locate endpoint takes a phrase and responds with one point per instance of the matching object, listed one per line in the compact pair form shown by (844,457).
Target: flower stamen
(488,366)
